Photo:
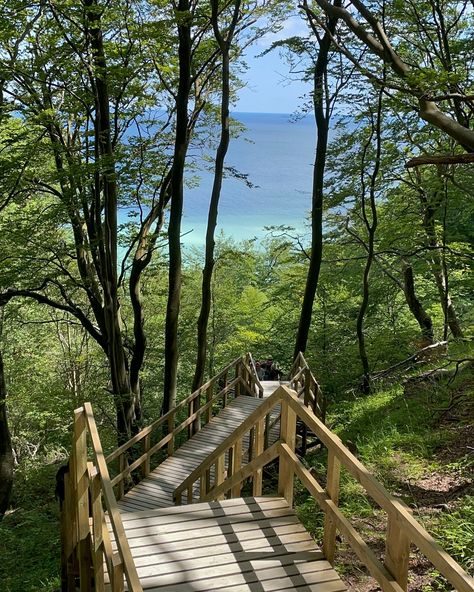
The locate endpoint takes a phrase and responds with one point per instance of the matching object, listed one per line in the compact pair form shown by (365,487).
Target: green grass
(29,535)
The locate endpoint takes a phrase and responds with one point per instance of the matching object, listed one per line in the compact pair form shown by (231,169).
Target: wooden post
(332,488)
(397,551)
(81,479)
(236,466)
(97,520)
(287,435)
(117,573)
(146,449)
(259,444)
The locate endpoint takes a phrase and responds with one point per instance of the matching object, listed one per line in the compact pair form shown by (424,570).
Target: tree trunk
(203,320)
(176,210)
(439,269)
(371,226)
(125,402)
(6,452)
(321,113)
(422,317)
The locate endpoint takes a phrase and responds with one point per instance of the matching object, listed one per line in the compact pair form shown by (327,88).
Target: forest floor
(422,452)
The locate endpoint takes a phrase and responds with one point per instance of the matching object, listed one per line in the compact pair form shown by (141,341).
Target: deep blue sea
(277,154)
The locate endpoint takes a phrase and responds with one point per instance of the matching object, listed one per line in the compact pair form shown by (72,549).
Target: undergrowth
(29,533)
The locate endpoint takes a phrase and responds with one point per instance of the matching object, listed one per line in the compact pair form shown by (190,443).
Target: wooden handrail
(238,433)
(403,528)
(170,414)
(245,381)
(255,374)
(88,489)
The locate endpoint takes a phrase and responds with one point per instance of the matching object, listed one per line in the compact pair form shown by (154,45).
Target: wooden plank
(245,532)
(298,541)
(266,578)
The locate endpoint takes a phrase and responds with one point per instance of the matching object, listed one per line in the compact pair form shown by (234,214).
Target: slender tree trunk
(438,267)
(6,452)
(203,320)
(321,113)
(176,210)
(415,306)
(371,226)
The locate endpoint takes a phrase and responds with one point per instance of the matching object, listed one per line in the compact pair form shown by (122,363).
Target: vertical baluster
(259,443)
(69,531)
(238,374)
(397,551)
(287,435)
(146,449)
(97,520)
(306,401)
(203,489)
(170,431)
(121,483)
(219,468)
(81,479)
(332,488)
(250,454)
(266,441)
(237,465)
(189,493)
(209,391)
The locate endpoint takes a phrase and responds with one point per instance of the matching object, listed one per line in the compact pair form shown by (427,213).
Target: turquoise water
(277,155)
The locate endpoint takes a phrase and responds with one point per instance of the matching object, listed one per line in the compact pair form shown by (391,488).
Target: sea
(275,152)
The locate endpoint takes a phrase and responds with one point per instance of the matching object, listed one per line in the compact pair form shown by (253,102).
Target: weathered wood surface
(242,544)
(156,490)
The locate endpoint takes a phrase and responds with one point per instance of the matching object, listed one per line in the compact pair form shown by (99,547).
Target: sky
(267,87)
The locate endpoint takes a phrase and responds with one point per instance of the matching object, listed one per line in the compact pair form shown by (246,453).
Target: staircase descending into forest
(180,507)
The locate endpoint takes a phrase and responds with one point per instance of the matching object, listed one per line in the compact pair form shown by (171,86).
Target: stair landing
(239,545)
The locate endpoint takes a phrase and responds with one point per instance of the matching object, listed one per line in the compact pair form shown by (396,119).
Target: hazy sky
(268,89)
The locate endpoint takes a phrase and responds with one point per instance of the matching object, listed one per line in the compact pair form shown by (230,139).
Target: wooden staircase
(217,441)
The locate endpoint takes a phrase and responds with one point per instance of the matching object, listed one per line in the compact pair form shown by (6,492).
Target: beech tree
(443,80)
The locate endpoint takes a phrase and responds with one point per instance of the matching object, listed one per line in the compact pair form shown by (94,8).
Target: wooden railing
(402,528)
(180,423)
(88,554)
(306,386)
(303,382)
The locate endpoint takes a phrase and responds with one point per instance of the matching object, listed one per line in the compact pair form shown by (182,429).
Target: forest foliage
(103,107)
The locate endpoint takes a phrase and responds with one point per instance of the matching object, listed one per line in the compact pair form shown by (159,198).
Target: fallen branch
(418,356)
